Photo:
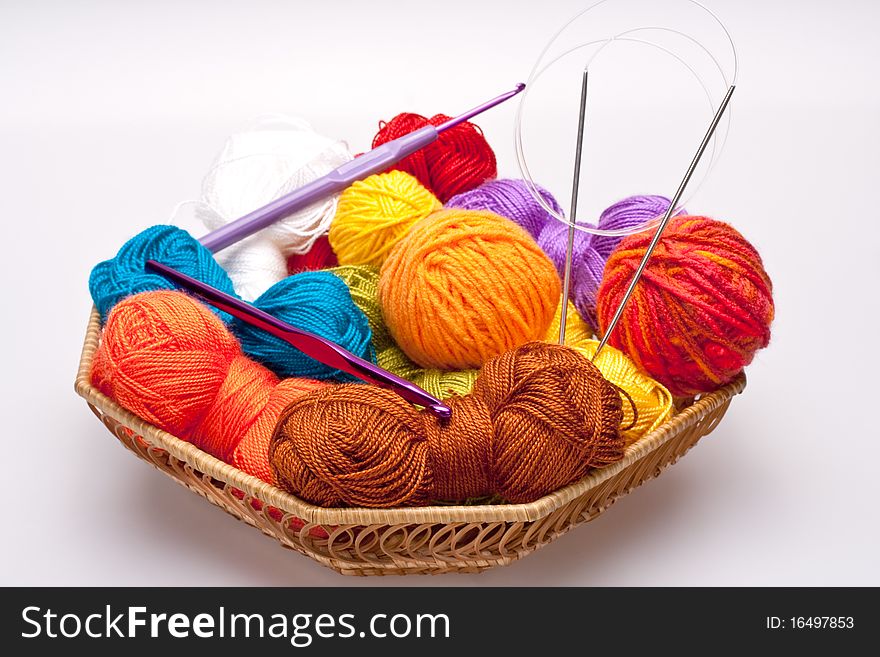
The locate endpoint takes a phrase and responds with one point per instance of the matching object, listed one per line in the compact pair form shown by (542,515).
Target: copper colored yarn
(540,417)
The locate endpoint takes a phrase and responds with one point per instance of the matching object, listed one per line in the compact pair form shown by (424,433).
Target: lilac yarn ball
(511,199)
(592,251)
(631,212)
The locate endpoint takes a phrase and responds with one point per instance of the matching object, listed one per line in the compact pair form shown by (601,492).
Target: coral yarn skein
(169,360)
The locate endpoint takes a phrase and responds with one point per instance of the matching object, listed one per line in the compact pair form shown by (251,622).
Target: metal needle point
(663,222)
(575,183)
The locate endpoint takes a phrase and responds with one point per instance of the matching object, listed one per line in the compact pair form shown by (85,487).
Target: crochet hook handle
(310,344)
(374,161)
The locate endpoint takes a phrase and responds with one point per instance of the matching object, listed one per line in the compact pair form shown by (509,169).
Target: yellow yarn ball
(577,330)
(374,214)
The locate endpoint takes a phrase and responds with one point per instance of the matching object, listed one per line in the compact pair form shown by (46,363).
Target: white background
(110,113)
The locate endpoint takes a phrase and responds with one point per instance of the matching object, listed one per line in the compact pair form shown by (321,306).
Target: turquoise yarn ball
(315,301)
(126,274)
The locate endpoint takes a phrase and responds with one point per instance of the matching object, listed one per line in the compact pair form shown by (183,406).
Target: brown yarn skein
(539,418)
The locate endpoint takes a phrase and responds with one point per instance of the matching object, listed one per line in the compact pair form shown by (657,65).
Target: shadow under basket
(412,540)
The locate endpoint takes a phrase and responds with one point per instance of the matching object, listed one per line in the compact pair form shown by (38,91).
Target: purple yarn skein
(592,251)
(511,199)
(631,212)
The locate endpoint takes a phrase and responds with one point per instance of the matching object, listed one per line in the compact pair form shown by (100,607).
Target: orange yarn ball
(169,360)
(701,310)
(464,286)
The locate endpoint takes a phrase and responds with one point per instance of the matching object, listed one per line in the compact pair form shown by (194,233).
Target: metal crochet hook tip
(575,187)
(663,222)
(310,344)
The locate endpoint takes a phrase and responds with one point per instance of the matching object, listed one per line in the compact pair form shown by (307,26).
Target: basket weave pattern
(434,539)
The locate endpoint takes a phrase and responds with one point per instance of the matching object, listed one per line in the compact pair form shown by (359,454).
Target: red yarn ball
(320,256)
(460,160)
(701,310)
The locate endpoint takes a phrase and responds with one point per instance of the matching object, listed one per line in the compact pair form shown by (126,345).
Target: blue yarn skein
(315,301)
(318,302)
(126,274)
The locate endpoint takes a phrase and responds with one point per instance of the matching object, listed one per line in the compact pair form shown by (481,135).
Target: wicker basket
(434,539)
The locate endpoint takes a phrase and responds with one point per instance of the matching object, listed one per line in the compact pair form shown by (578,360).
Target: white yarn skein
(272,157)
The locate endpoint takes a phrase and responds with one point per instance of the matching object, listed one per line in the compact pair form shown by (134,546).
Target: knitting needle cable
(645,35)
(625,36)
(575,185)
(664,221)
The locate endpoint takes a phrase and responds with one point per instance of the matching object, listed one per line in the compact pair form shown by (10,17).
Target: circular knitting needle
(575,184)
(663,222)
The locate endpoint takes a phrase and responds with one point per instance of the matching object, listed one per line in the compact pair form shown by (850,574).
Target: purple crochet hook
(374,161)
(310,344)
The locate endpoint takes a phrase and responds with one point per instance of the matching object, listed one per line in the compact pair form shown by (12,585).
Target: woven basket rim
(294,506)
